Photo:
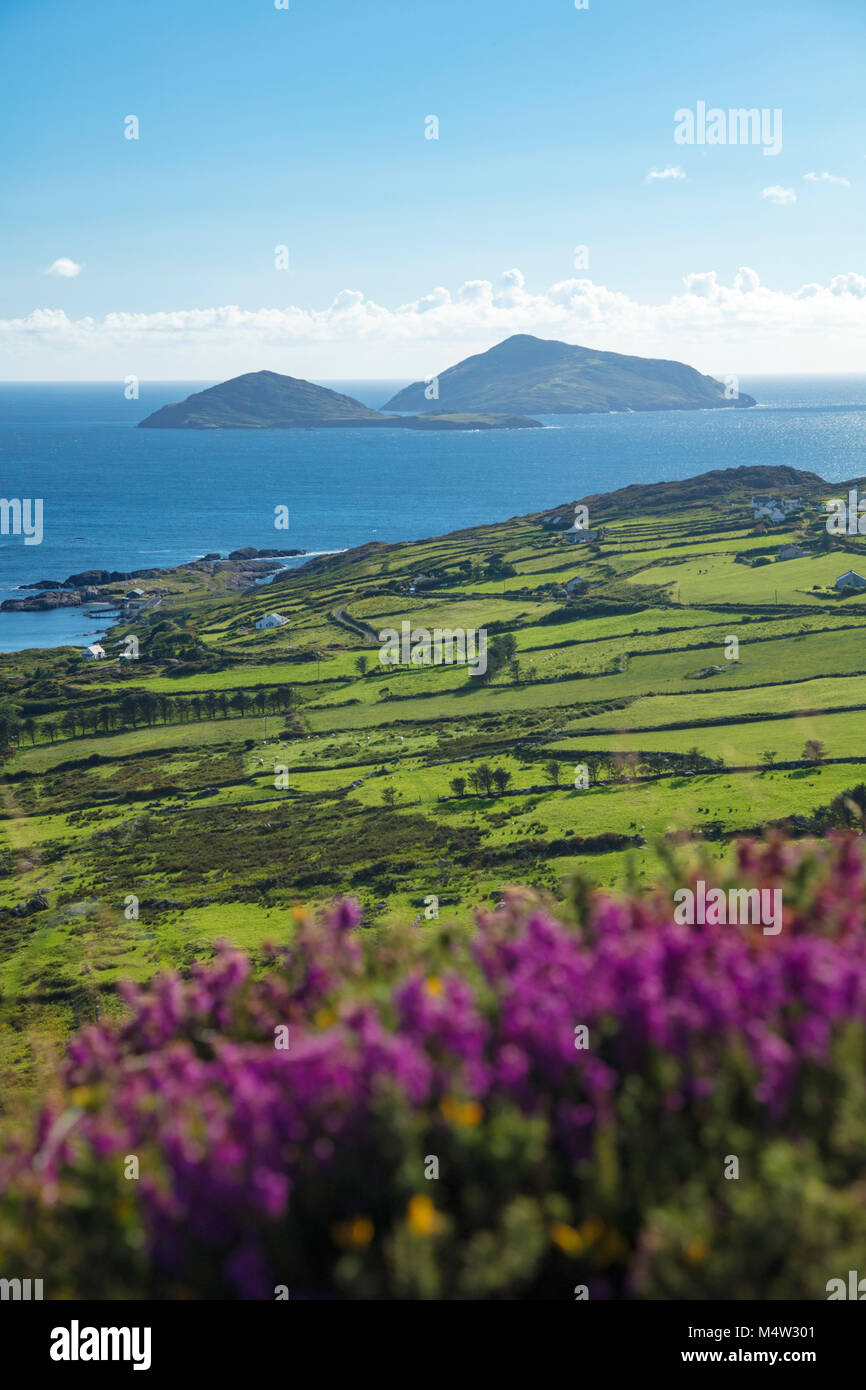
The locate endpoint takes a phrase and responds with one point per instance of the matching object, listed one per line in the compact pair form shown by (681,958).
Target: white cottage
(271,620)
(850,580)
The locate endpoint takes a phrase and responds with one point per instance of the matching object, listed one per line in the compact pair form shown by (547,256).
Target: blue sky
(262,127)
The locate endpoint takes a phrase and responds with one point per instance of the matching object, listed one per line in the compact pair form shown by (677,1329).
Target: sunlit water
(116,497)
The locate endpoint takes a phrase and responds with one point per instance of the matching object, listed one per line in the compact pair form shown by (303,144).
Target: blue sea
(116,497)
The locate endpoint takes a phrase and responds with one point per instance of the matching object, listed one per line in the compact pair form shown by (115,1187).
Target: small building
(850,580)
(580,535)
(573,585)
(793,552)
(271,620)
(134,594)
(770,512)
(94,652)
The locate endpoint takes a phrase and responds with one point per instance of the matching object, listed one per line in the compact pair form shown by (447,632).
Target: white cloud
(65,268)
(826,178)
(852,283)
(747,281)
(673,171)
(777,194)
(744,326)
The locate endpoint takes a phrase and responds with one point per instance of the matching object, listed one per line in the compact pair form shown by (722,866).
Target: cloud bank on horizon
(742,327)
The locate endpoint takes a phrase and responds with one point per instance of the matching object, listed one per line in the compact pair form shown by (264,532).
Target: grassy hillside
(227,776)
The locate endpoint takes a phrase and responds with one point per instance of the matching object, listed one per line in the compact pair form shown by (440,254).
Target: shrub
(311,1166)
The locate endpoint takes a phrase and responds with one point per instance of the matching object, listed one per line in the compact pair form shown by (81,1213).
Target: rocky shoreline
(246,567)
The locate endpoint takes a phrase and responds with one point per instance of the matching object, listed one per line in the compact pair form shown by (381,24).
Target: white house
(850,580)
(793,552)
(769,512)
(271,620)
(93,653)
(579,535)
(134,594)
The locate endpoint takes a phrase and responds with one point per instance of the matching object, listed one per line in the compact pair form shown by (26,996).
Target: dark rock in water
(42,584)
(42,603)
(93,577)
(249,552)
(110,577)
(212,555)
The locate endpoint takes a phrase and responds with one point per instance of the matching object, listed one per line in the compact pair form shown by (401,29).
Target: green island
(269,400)
(231,775)
(544,377)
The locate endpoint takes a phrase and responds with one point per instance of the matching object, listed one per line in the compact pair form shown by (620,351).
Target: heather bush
(314,1165)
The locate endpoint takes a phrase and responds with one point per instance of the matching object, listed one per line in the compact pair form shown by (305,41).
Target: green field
(230,775)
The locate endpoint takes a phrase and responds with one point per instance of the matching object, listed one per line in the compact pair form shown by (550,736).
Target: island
(544,377)
(268,401)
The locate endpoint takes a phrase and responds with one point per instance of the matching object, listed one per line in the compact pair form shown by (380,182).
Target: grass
(186,814)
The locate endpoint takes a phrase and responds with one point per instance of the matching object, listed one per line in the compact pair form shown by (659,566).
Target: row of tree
(482,780)
(145,708)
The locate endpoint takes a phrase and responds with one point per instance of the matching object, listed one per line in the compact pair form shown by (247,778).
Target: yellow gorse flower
(423,1218)
(591,1229)
(357,1232)
(566,1237)
(697,1250)
(466,1113)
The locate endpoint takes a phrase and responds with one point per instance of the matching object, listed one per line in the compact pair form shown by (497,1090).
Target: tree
(553,769)
(485,777)
(514,670)
(29,727)
(458,786)
(768,757)
(507,645)
(814,751)
(389,796)
(8,722)
(361,665)
(147,705)
(501,777)
(51,729)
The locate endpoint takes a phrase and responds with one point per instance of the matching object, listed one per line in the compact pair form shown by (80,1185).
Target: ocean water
(116,497)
